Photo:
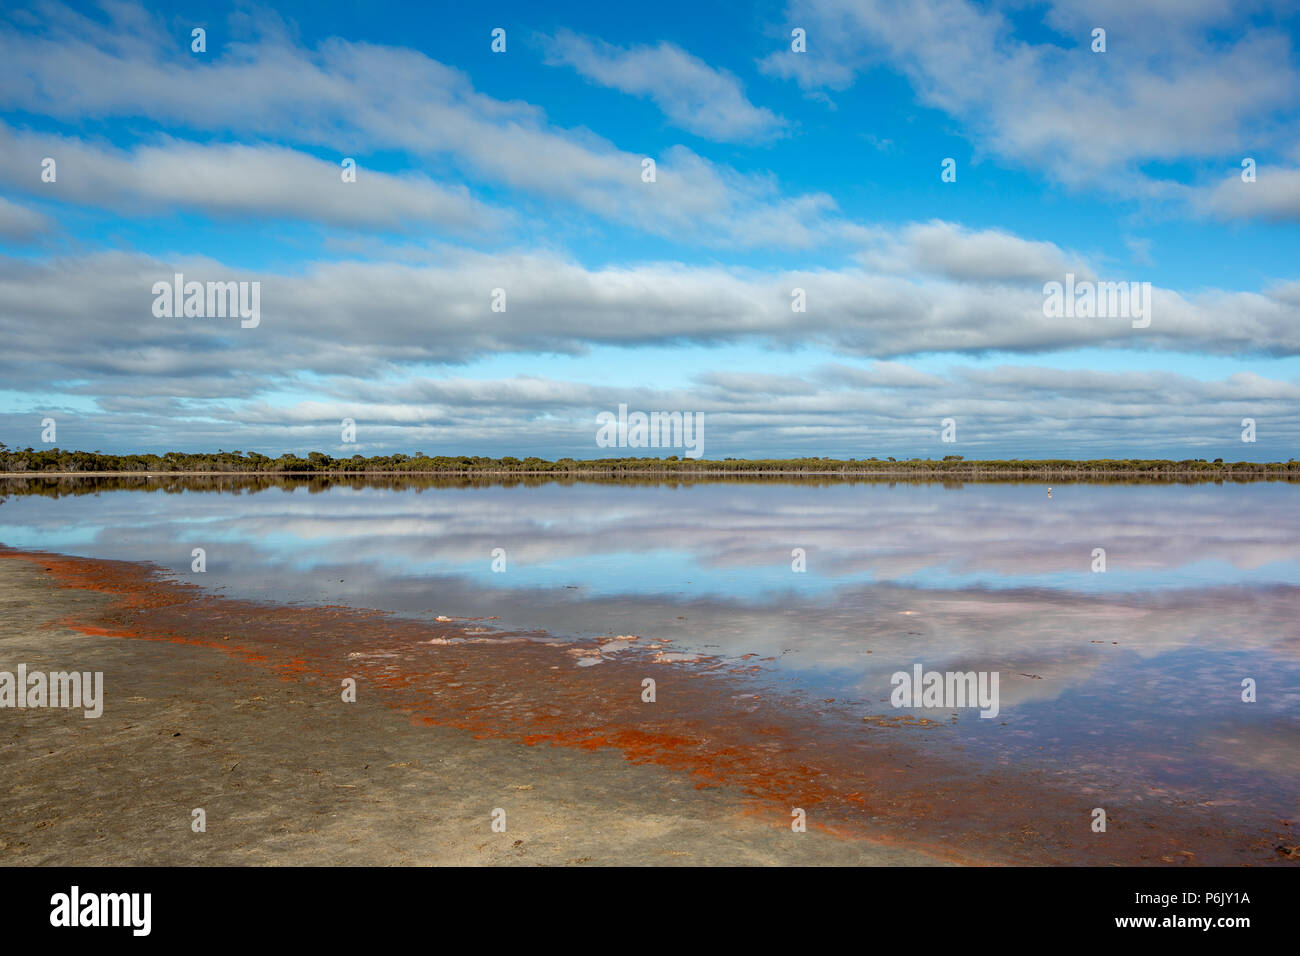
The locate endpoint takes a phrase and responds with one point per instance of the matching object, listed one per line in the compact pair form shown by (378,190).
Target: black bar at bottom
(303,906)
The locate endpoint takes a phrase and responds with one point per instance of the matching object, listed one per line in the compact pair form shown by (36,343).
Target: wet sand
(236,707)
(289,774)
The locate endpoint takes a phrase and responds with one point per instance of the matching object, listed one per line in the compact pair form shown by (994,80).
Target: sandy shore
(289,774)
(236,708)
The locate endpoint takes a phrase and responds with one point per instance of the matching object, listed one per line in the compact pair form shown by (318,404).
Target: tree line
(61,461)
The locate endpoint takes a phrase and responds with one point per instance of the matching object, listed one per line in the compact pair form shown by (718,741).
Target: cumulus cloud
(89,317)
(836,409)
(356,335)
(955,252)
(354,338)
(692,95)
(262,181)
(19,223)
(1169,87)
(1274,195)
(76,69)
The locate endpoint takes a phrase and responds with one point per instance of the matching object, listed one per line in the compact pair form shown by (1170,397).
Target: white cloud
(1165,90)
(235,180)
(837,409)
(691,94)
(348,97)
(955,252)
(1274,195)
(89,319)
(19,223)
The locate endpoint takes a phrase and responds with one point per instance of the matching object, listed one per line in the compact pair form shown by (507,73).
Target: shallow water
(1123,681)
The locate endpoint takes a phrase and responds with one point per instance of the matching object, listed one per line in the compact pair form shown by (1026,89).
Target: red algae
(858,776)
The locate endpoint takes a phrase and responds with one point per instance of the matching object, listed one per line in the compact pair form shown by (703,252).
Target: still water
(1128,678)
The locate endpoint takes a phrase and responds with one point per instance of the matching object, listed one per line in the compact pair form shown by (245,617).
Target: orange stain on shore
(891,788)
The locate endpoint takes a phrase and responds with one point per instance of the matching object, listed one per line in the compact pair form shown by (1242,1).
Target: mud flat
(289,774)
(236,708)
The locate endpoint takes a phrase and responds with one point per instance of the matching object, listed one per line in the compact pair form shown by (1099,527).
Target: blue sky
(775,170)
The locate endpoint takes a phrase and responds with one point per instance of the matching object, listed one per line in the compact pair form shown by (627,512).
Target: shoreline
(707,774)
(941,475)
(289,775)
